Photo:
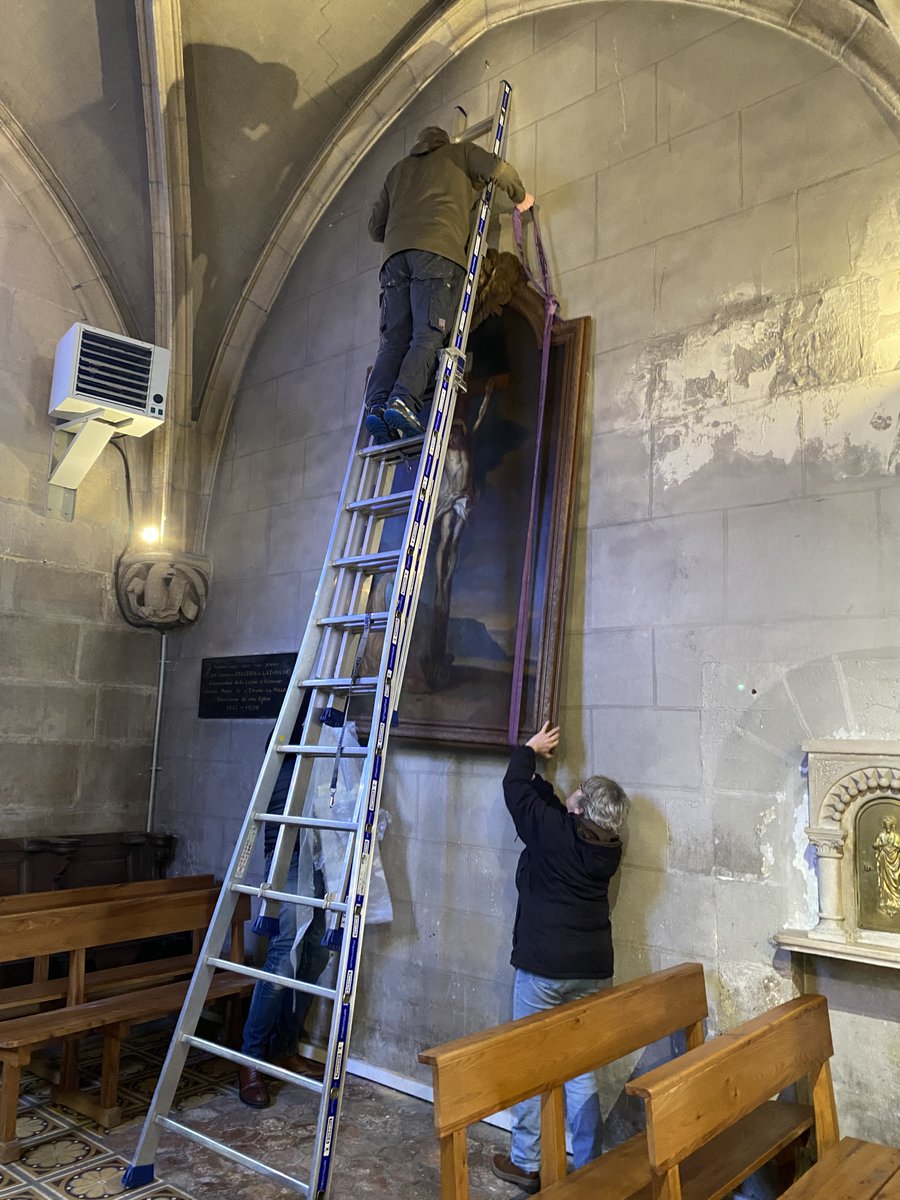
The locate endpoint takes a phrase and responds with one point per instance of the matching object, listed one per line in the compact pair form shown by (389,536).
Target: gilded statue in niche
(878,865)
(887,864)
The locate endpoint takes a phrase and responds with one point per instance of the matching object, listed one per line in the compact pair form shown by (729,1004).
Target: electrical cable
(116,441)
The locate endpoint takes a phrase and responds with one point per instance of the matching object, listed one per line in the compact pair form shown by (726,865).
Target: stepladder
(339,674)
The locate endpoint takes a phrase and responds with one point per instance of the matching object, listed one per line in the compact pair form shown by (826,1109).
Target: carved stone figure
(887,864)
(163,592)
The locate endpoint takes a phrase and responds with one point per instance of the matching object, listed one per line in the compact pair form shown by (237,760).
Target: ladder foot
(137,1176)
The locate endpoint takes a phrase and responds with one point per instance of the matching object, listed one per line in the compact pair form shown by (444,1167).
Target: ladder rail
(395,651)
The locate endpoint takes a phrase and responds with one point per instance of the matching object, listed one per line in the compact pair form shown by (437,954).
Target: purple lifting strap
(544,286)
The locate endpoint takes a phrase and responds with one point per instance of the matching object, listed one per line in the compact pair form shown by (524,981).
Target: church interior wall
(77,687)
(721,199)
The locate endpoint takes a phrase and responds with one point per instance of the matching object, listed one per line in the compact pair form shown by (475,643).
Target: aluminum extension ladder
(328,665)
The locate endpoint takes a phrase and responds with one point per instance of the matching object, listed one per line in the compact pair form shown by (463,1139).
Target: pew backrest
(487,1072)
(690,1101)
(37,901)
(77,927)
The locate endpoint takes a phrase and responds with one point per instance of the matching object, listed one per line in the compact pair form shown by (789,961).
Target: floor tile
(49,1155)
(35,1121)
(97,1181)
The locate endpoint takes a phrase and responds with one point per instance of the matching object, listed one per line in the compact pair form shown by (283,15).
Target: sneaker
(402,420)
(504,1168)
(376,427)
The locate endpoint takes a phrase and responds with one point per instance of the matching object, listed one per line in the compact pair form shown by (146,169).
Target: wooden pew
(75,929)
(713,1106)
(486,1072)
(23,998)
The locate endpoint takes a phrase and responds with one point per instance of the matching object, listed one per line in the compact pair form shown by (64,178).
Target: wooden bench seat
(706,1102)
(487,1072)
(135,995)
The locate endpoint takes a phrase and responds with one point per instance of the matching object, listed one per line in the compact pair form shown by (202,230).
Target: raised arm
(530,799)
(484,167)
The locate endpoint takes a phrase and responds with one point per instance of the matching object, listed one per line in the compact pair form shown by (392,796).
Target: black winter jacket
(562,928)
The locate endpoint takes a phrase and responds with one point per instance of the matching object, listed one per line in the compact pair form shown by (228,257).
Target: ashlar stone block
(617,292)
(115,655)
(728,456)
(32,649)
(705,272)
(850,435)
(611,124)
(633,35)
(635,198)
(776,550)
(647,746)
(820,128)
(850,224)
(721,73)
(660,572)
(610,667)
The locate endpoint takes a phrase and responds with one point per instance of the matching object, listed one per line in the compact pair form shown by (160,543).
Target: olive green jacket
(428,197)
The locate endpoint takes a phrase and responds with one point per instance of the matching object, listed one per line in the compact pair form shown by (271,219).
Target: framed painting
(459,681)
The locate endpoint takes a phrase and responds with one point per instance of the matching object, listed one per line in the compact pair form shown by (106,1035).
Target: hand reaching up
(545,741)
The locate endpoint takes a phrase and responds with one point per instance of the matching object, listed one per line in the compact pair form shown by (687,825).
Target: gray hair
(605,803)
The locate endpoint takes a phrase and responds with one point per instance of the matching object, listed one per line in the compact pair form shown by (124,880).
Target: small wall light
(150,534)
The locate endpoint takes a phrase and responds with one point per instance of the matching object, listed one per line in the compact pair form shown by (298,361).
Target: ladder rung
(391,505)
(298,985)
(354,621)
(265,893)
(247,1060)
(394,451)
(370,564)
(308,822)
(243,1160)
(343,683)
(323,750)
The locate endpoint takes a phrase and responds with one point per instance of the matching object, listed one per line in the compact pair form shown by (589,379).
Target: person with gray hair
(562,938)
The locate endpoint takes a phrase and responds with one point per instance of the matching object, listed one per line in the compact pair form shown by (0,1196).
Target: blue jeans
(419,295)
(531,994)
(276,1015)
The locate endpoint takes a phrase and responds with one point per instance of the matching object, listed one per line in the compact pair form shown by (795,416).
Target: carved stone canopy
(854,811)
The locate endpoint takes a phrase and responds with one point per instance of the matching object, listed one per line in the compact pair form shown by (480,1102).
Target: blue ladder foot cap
(136,1177)
(265,926)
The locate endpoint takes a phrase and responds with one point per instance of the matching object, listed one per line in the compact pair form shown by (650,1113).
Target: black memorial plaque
(245,685)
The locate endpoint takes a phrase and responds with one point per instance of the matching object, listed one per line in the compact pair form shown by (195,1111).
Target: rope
(544,287)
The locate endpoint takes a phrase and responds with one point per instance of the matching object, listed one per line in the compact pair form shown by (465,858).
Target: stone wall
(722,200)
(77,686)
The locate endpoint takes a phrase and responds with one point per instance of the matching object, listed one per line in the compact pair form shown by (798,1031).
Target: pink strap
(544,287)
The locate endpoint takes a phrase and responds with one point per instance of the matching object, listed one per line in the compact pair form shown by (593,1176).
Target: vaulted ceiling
(265,85)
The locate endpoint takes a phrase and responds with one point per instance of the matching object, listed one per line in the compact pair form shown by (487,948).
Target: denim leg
(312,959)
(266,1004)
(433,296)
(395,330)
(525,1144)
(533,993)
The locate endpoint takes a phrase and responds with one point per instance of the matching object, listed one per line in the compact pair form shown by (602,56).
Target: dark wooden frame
(562,425)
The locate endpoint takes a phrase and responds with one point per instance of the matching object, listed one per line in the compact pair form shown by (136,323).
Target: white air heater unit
(104,384)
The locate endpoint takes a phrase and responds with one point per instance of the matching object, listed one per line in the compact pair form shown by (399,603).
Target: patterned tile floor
(387,1146)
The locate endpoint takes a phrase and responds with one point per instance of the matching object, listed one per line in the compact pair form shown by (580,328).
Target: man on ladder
(424,217)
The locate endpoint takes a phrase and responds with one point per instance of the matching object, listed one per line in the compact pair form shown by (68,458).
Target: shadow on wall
(253,132)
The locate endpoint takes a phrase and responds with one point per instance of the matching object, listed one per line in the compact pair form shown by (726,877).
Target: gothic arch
(840,28)
(40,191)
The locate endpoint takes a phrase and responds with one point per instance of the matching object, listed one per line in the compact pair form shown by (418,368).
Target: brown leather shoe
(253,1088)
(504,1168)
(301,1065)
